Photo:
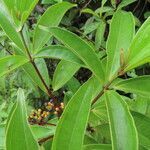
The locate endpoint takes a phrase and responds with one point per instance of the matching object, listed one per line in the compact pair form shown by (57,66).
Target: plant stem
(35,67)
(101,92)
(45,139)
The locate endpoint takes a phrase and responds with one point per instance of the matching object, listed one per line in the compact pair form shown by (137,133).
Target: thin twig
(35,67)
(143,9)
(50,124)
(106,87)
(136,6)
(86,4)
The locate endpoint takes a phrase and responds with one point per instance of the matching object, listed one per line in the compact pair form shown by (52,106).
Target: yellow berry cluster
(59,109)
(42,115)
(38,116)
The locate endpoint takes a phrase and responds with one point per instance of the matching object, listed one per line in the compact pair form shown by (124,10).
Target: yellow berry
(49,107)
(39,110)
(39,118)
(35,117)
(55,112)
(62,104)
(31,116)
(57,109)
(47,113)
(44,112)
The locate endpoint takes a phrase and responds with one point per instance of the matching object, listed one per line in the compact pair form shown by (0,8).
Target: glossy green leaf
(70,130)
(119,40)
(20,10)
(63,73)
(82,49)
(138,85)
(9,63)
(58,52)
(122,127)
(7,25)
(50,18)
(139,51)
(97,147)
(18,132)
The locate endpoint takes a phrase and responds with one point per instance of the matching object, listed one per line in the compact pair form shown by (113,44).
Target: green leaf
(139,51)
(125,3)
(89,11)
(18,132)
(20,10)
(70,130)
(31,72)
(41,65)
(73,85)
(58,52)
(97,147)
(142,123)
(9,63)
(119,40)
(122,127)
(100,34)
(90,27)
(51,1)
(42,131)
(82,49)
(9,27)
(113,3)
(63,73)
(2,136)
(49,19)
(138,85)
(140,104)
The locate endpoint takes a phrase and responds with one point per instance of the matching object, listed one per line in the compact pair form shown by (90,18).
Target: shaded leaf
(2,136)
(99,34)
(42,131)
(50,18)
(138,85)
(31,72)
(125,3)
(9,63)
(63,73)
(97,147)
(142,123)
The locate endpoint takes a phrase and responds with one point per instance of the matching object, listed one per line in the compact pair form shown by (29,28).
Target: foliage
(42,52)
